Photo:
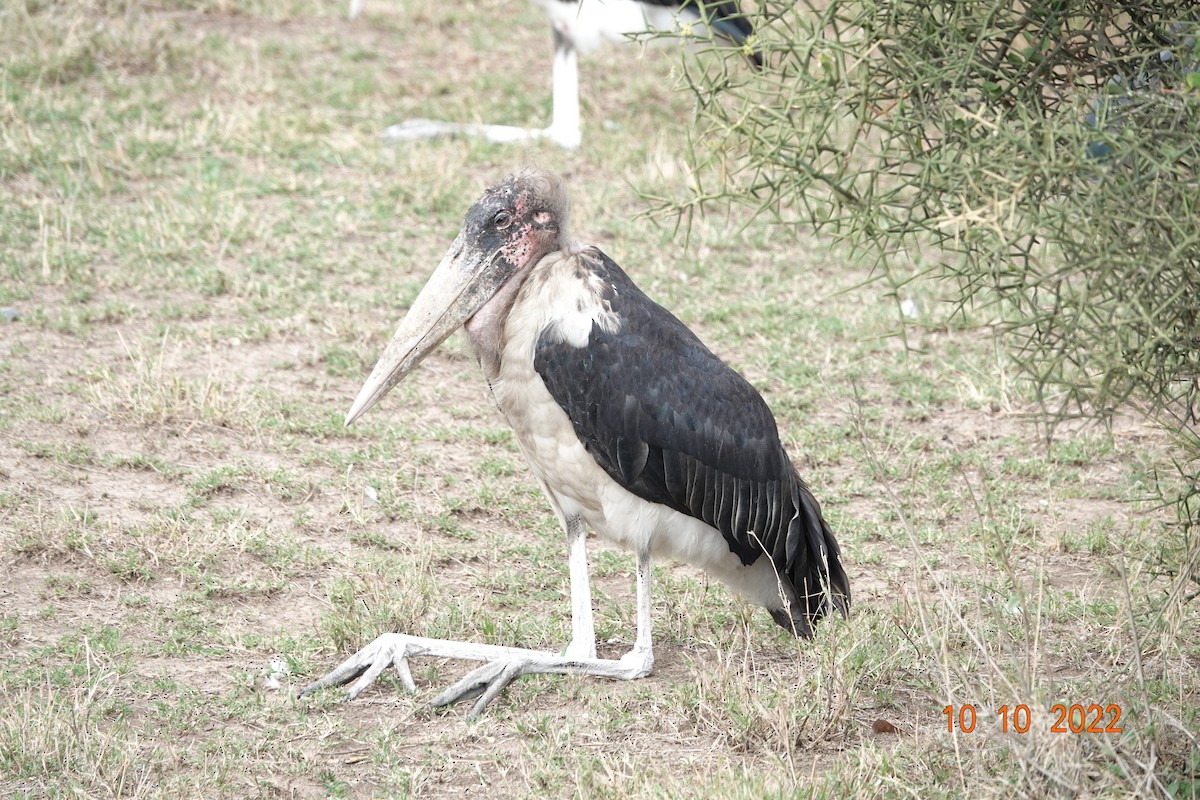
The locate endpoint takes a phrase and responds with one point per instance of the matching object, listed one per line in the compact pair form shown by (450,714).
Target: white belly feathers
(562,295)
(588,23)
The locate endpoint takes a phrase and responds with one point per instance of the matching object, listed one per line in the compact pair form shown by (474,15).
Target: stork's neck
(486,327)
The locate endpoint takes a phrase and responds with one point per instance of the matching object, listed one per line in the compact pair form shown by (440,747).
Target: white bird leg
(583,630)
(565,127)
(642,654)
(505,664)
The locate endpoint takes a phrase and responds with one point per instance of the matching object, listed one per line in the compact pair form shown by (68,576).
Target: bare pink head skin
(506,232)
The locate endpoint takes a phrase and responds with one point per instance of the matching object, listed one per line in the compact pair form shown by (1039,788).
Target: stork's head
(505,234)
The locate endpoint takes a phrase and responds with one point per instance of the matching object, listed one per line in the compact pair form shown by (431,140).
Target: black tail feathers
(814,574)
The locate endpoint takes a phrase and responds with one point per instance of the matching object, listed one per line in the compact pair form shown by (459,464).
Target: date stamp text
(1074,718)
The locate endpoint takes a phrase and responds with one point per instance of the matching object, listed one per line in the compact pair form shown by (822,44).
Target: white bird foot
(638,662)
(367,664)
(505,664)
(486,683)
(412,130)
(568,137)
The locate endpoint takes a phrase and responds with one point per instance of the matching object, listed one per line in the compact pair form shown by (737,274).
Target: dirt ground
(180,504)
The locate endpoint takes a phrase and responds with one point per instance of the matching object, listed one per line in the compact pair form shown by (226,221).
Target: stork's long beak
(462,283)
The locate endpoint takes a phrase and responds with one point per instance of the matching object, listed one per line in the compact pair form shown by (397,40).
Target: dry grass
(207,246)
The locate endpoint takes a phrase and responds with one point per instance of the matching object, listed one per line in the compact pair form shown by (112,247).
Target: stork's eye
(502,220)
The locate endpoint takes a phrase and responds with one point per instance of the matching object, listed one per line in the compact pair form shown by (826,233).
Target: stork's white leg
(564,127)
(641,657)
(583,630)
(508,663)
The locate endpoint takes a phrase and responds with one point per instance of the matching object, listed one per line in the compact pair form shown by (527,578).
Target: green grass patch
(208,246)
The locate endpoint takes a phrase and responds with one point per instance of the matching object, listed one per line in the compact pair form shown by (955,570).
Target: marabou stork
(580,26)
(631,425)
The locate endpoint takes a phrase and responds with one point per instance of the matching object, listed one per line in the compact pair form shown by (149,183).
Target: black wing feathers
(675,425)
(726,17)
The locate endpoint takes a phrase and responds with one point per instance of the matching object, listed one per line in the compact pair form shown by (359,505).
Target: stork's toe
(486,683)
(366,665)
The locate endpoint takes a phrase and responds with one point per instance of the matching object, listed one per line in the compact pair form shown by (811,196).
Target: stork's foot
(638,662)
(412,130)
(485,683)
(390,649)
(504,665)
(395,649)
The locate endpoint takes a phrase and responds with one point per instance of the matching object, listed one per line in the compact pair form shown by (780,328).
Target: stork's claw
(394,649)
(367,664)
(503,665)
(484,682)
